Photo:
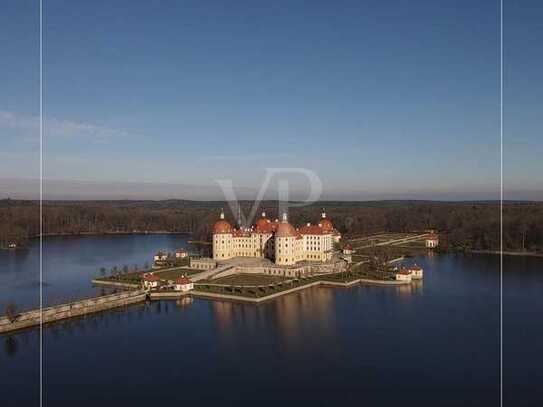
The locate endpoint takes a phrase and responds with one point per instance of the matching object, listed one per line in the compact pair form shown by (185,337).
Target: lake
(433,343)
(70,263)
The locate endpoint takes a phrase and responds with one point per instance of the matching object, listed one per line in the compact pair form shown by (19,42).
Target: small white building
(203,263)
(403,275)
(150,280)
(161,256)
(432,241)
(348,249)
(183,284)
(181,254)
(416,272)
(348,253)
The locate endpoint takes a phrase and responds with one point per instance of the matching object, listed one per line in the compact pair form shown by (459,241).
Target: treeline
(462,225)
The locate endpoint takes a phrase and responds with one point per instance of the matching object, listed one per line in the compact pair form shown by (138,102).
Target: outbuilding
(403,275)
(432,241)
(416,272)
(150,280)
(161,256)
(184,283)
(348,249)
(181,254)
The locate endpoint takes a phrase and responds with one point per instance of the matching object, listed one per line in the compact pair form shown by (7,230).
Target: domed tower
(285,243)
(263,225)
(325,223)
(222,239)
(329,229)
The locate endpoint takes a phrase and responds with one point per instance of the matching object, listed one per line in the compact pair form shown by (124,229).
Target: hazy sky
(378,98)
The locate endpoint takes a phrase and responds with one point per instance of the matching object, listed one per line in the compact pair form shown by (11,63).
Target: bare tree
(12,312)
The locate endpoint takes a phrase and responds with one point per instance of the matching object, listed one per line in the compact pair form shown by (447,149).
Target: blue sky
(381,99)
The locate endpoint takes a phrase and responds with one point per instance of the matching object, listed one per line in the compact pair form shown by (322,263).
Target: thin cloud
(248,156)
(29,126)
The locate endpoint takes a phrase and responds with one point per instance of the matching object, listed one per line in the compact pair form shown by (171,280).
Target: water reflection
(10,346)
(184,302)
(290,319)
(407,291)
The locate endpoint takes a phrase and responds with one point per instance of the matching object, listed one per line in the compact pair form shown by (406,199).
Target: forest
(462,225)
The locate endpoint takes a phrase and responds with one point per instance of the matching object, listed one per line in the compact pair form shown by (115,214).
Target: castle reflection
(184,302)
(287,321)
(405,292)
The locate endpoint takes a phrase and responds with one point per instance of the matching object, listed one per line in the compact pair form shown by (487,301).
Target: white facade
(150,281)
(432,241)
(203,263)
(403,276)
(184,286)
(160,256)
(181,254)
(416,272)
(278,241)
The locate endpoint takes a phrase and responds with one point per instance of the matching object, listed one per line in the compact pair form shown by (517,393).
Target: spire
(222,214)
(323,213)
(285,219)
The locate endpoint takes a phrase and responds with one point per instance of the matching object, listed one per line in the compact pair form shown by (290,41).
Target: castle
(277,241)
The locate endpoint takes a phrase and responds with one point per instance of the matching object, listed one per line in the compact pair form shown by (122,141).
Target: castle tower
(285,248)
(222,239)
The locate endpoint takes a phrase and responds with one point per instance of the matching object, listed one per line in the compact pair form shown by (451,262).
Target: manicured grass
(174,262)
(248,279)
(252,292)
(173,273)
(265,290)
(133,277)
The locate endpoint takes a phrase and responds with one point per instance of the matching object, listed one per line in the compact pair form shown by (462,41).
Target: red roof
(415,267)
(432,236)
(222,226)
(264,225)
(311,230)
(326,224)
(404,271)
(348,247)
(285,229)
(183,280)
(151,277)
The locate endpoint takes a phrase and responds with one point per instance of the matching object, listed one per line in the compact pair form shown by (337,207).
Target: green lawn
(174,273)
(248,279)
(265,290)
(133,277)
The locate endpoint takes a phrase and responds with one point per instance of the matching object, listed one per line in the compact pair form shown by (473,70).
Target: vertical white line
(41,203)
(501,203)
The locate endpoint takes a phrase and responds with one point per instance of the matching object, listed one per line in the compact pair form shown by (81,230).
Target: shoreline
(143,232)
(507,253)
(83,234)
(54,313)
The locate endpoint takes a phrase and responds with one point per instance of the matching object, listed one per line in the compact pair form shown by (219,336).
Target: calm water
(435,343)
(70,263)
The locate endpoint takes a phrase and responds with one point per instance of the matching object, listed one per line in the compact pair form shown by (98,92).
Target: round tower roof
(263,224)
(326,225)
(285,229)
(222,226)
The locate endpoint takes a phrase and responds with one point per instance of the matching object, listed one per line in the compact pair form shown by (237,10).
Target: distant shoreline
(507,253)
(46,235)
(157,232)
